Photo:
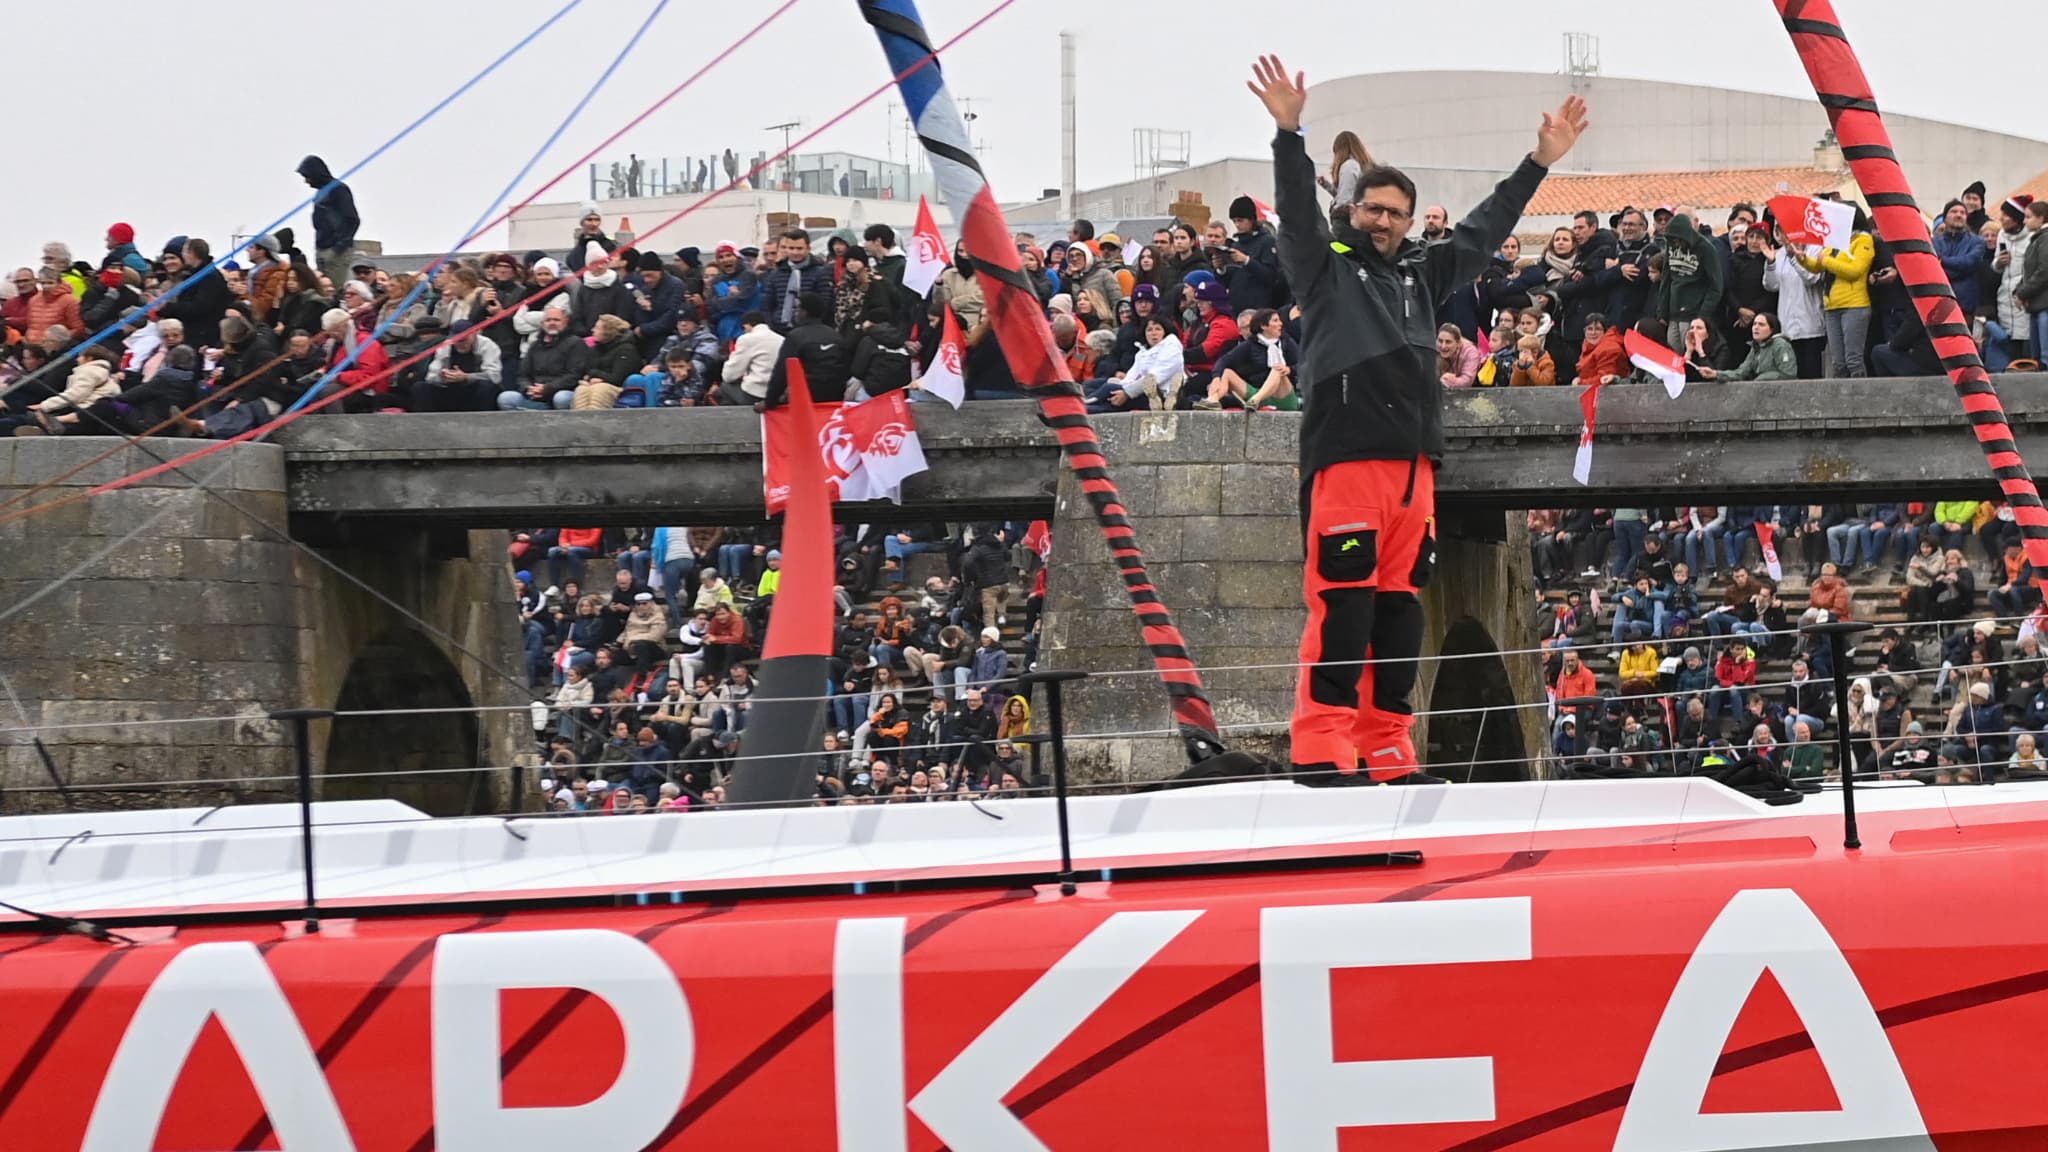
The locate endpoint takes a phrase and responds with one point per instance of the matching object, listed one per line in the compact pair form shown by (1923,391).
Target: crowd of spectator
(1712,672)
(651,680)
(1197,317)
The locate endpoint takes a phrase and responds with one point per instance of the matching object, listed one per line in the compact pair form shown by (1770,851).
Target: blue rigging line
(213,268)
(426,276)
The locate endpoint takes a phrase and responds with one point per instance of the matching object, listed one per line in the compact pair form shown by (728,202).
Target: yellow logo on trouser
(1349,544)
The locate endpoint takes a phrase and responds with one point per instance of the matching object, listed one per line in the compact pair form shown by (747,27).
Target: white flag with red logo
(1657,360)
(1266,212)
(947,377)
(1805,220)
(1582,463)
(868,450)
(1766,541)
(926,256)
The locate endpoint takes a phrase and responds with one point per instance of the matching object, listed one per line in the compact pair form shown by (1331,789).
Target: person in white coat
(2010,337)
(1801,305)
(1155,375)
(753,359)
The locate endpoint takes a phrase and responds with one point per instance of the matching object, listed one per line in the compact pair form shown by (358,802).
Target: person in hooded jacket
(121,250)
(600,291)
(1692,285)
(1372,435)
(1086,273)
(335,220)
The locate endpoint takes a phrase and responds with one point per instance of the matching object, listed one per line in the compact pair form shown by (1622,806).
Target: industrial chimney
(1067,113)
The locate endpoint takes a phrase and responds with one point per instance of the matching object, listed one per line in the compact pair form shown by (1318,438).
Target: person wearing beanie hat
(1372,434)
(266,278)
(658,298)
(1251,262)
(121,250)
(2009,335)
(1972,201)
(589,233)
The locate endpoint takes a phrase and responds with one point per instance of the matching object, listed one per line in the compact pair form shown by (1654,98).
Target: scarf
(787,314)
(1555,267)
(604,279)
(1275,357)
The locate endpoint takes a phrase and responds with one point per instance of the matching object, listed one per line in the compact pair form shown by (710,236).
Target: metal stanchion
(301,720)
(1838,633)
(1056,726)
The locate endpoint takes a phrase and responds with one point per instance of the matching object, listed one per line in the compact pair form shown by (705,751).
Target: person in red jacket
(370,366)
(1215,333)
(572,547)
(1604,360)
(1734,673)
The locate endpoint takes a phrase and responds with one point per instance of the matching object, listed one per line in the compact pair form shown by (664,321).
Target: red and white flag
(1805,220)
(868,449)
(1266,212)
(1657,360)
(1038,538)
(947,377)
(1766,542)
(926,256)
(1582,464)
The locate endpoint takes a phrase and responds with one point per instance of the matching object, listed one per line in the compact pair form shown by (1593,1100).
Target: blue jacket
(652,326)
(1961,256)
(730,298)
(816,277)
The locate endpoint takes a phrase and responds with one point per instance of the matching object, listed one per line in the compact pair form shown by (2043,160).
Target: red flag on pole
(1767,544)
(926,256)
(1654,358)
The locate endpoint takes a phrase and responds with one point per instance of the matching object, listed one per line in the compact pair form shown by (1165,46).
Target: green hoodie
(1771,360)
(1692,273)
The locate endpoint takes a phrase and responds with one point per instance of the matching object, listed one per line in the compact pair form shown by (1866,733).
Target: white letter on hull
(1770,929)
(626,975)
(229,981)
(1309,1095)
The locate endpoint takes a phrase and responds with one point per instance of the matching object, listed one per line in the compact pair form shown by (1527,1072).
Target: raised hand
(1282,97)
(1560,131)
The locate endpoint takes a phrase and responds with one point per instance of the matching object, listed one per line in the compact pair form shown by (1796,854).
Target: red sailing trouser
(1371,528)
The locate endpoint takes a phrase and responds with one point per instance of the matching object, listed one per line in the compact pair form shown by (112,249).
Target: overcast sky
(189,117)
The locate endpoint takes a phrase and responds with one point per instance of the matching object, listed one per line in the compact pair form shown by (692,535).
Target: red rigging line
(690,209)
(1842,88)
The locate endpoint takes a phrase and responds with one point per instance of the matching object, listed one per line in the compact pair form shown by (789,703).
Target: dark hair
(1194,234)
(881,234)
(1770,318)
(200,249)
(1590,217)
(1261,318)
(1593,318)
(795,234)
(815,305)
(1742,206)
(1625,213)
(677,355)
(1383,176)
(1084,229)
(1862,223)
(754,318)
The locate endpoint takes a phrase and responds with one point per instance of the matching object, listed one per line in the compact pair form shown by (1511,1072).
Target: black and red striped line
(1842,88)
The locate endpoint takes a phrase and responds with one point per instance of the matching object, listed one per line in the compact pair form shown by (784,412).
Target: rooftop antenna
(788,164)
(1068,107)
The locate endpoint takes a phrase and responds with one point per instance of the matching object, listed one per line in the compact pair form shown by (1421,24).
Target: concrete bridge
(1508,448)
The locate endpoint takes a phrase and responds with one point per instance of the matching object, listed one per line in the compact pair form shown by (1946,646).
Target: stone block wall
(1214,498)
(194,616)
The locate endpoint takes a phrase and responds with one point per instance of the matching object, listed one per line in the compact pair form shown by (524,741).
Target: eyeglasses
(1377,211)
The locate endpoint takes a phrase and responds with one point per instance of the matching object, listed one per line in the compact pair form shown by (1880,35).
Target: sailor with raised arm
(1372,432)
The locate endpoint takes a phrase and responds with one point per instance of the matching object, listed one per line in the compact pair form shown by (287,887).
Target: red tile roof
(2037,187)
(1562,195)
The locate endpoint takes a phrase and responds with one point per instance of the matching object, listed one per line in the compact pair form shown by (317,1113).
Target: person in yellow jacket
(1846,310)
(1638,669)
(1954,521)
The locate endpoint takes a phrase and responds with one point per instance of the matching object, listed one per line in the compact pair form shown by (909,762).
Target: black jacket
(586,304)
(200,306)
(334,211)
(1584,292)
(816,277)
(826,359)
(556,361)
(614,361)
(881,361)
(1256,282)
(274,383)
(1370,358)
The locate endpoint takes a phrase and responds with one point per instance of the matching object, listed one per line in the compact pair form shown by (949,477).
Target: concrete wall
(1469,118)
(205,613)
(1214,499)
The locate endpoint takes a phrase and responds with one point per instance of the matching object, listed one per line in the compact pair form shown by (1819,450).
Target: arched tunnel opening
(1472,745)
(427,759)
